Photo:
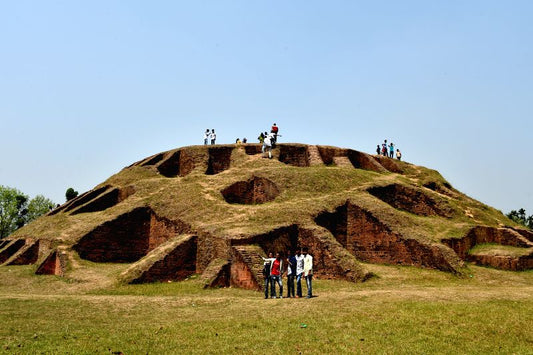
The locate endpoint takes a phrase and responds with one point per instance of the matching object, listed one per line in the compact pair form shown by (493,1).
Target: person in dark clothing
(378,150)
(291,274)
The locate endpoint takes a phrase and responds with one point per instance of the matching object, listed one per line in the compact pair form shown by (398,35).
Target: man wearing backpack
(267,262)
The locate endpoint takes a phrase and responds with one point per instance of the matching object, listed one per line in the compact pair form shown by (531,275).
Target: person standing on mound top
(276,272)
(391,150)
(378,150)
(274,130)
(213,136)
(267,262)
(398,154)
(308,272)
(267,146)
(206,136)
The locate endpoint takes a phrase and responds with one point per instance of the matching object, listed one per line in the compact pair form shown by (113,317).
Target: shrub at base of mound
(256,190)
(370,240)
(174,260)
(411,200)
(129,237)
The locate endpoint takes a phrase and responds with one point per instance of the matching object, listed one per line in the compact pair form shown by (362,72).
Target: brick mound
(253,191)
(370,240)
(503,236)
(202,210)
(411,200)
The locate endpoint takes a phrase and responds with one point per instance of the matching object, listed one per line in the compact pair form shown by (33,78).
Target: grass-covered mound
(229,203)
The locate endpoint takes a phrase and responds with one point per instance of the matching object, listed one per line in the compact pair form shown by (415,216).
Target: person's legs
(309,283)
(290,286)
(280,283)
(299,285)
(270,152)
(273,281)
(267,282)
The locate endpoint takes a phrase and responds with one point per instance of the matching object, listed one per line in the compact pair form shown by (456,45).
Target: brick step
(315,159)
(342,161)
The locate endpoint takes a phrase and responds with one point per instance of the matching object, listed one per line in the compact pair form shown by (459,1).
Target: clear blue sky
(88,87)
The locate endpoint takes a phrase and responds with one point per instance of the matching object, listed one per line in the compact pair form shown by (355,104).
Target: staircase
(314,156)
(342,162)
(250,255)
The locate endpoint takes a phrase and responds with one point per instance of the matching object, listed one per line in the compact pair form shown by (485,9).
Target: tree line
(17,209)
(521,217)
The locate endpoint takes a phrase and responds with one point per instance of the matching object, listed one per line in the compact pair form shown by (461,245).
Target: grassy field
(405,310)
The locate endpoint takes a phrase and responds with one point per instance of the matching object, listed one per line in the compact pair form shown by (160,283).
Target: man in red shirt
(276,272)
(274,130)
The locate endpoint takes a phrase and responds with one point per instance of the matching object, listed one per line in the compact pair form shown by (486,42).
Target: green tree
(16,209)
(521,217)
(38,206)
(12,210)
(71,193)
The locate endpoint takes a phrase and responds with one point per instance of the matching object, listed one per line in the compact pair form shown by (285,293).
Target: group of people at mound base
(388,150)
(299,265)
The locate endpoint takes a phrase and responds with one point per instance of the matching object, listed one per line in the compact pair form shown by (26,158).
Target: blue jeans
(267,282)
(273,281)
(309,283)
(290,286)
(299,285)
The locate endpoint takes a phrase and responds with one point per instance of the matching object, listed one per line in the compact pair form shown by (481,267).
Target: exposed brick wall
(28,254)
(411,200)
(127,238)
(365,161)
(211,247)
(244,270)
(54,264)
(370,240)
(252,148)
(390,164)
(296,155)
(154,159)
(11,249)
(106,200)
(255,190)
(280,240)
(170,167)
(483,235)
(177,265)
(219,160)
(329,153)
(79,200)
(503,262)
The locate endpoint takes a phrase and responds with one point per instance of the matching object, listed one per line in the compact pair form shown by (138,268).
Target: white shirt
(299,264)
(308,265)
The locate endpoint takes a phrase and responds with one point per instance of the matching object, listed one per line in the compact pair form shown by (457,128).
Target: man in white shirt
(308,272)
(299,272)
